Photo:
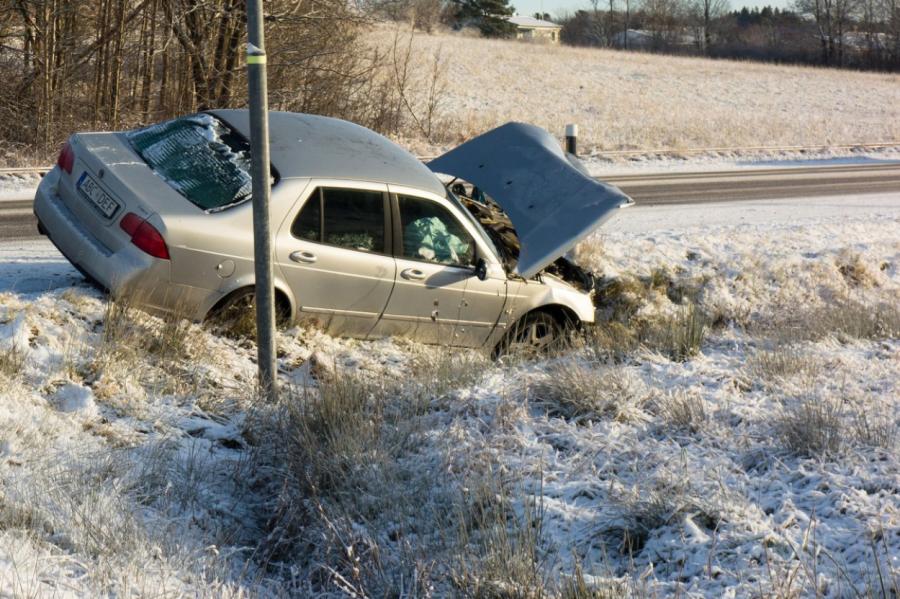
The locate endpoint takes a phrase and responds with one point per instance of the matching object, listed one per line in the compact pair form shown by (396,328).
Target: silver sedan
(368,241)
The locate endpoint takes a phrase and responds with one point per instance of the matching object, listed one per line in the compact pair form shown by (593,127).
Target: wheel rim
(534,338)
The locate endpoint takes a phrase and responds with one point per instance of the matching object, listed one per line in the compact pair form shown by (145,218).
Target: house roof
(531,22)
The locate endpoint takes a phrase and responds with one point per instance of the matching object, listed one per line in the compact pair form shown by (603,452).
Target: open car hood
(548,195)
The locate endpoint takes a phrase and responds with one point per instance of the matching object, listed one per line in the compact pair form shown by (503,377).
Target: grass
(845,319)
(684,410)
(630,100)
(12,361)
(813,426)
(585,393)
(782,362)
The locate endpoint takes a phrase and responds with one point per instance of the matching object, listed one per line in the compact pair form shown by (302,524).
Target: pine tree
(490,16)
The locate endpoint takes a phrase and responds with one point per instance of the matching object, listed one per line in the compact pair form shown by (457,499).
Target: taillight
(66,158)
(144,235)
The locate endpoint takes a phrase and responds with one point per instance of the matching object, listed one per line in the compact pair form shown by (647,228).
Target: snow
(18,186)
(75,399)
(123,469)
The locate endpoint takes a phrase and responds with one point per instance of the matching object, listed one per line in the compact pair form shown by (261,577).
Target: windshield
(484,236)
(199,156)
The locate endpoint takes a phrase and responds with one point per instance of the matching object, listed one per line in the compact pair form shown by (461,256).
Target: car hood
(548,195)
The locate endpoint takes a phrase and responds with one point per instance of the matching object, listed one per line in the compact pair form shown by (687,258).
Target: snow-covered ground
(134,461)
(641,101)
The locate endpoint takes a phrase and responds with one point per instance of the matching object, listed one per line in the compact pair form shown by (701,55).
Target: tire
(534,335)
(236,316)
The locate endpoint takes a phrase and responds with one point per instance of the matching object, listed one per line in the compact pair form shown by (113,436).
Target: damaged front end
(500,229)
(534,200)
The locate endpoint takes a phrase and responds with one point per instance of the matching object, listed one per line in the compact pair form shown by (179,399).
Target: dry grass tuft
(500,550)
(813,426)
(582,393)
(854,270)
(657,503)
(684,410)
(12,361)
(679,336)
(844,319)
(783,362)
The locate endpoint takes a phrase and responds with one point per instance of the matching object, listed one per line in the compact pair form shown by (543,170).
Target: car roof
(310,146)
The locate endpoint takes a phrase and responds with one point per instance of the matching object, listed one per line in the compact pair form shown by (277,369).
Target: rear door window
(347,218)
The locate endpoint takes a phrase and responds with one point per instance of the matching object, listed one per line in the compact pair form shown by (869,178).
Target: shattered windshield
(200,157)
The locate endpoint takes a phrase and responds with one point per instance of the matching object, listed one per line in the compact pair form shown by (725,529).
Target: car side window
(431,233)
(347,218)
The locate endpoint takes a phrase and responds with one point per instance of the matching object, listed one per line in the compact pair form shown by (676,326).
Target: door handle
(413,274)
(307,257)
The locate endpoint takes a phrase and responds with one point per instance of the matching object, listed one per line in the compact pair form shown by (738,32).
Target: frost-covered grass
(630,100)
(136,461)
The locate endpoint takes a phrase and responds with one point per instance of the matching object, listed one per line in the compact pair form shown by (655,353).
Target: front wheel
(536,334)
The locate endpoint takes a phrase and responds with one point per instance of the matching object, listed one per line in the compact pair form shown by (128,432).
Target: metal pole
(572,139)
(259,164)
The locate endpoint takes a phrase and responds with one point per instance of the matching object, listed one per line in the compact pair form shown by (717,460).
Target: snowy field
(632,100)
(134,460)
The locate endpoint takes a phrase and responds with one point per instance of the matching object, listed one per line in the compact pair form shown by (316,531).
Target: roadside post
(572,139)
(259,167)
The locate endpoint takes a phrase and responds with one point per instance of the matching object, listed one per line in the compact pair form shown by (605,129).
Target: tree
(491,16)
(704,13)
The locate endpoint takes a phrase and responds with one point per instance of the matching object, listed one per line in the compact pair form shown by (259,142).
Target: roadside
(132,454)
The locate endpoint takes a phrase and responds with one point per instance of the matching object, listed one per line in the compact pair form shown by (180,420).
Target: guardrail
(25,170)
(41,170)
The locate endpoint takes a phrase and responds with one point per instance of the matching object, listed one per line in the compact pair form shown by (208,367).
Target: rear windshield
(200,156)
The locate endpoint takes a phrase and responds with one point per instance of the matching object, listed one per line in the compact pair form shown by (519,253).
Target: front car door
(334,250)
(436,255)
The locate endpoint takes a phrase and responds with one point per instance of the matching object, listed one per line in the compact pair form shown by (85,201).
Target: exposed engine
(501,231)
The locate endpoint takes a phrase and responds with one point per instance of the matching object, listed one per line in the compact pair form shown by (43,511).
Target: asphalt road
(17,222)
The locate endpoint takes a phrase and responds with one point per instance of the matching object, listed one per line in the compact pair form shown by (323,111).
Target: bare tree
(704,13)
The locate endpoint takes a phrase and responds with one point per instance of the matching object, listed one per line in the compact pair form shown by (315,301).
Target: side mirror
(481,269)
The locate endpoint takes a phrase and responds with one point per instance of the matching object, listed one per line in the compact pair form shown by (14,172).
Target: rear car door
(334,250)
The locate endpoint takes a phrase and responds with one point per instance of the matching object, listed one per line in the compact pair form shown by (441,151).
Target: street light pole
(259,167)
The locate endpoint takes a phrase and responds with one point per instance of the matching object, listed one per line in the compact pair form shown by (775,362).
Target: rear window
(200,156)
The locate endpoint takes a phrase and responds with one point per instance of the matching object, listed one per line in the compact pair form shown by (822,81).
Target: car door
(436,256)
(334,250)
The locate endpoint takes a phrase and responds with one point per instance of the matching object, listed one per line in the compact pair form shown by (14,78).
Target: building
(529,28)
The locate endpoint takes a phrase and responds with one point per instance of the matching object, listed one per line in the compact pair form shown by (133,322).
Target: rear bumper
(126,272)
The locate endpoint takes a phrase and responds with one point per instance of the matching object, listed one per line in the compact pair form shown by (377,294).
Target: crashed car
(367,240)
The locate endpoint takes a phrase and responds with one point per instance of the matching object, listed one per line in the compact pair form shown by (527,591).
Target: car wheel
(534,335)
(236,316)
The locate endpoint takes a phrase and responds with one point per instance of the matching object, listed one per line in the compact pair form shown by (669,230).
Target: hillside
(629,100)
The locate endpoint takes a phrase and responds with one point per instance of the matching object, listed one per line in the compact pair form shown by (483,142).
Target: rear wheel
(236,315)
(536,334)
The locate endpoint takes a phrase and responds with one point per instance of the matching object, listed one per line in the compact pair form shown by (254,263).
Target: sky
(559,7)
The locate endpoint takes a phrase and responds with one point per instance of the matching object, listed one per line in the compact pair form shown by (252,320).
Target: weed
(12,361)
(500,549)
(679,336)
(782,362)
(582,392)
(813,426)
(684,410)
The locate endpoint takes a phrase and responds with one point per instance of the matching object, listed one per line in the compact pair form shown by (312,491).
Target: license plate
(96,196)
